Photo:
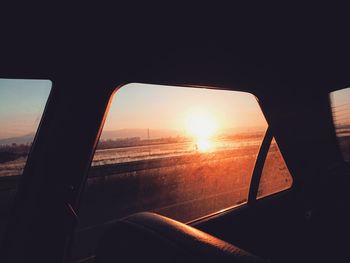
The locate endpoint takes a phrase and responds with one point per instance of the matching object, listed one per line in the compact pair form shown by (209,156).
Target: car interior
(43,210)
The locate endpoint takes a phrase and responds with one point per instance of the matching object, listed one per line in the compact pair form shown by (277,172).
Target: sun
(202,126)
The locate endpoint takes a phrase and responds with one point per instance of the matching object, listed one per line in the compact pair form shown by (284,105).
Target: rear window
(22,103)
(181,152)
(340,102)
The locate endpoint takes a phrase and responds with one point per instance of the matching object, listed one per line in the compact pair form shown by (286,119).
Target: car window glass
(275,175)
(22,103)
(340,101)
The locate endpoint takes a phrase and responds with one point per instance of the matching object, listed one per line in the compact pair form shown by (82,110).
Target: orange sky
(167,107)
(139,106)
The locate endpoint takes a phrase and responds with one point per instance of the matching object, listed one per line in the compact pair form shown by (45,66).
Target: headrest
(148,237)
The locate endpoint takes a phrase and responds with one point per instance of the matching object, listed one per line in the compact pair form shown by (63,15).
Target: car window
(275,176)
(340,102)
(22,104)
(181,152)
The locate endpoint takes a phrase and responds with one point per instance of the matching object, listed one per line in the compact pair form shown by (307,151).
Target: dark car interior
(291,80)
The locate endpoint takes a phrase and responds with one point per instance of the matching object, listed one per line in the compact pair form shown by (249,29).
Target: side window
(181,152)
(275,175)
(340,102)
(22,104)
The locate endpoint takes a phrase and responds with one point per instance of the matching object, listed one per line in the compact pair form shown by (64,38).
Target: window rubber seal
(258,167)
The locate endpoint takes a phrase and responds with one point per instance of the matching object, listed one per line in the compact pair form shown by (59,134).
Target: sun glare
(204,145)
(202,127)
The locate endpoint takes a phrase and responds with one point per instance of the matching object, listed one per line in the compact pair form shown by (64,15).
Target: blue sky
(21,105)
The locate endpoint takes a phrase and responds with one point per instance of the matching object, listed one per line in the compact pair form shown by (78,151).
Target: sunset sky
(166,107)
(341,106)
(139,106)
(21,105)
(340,97)
(143,106)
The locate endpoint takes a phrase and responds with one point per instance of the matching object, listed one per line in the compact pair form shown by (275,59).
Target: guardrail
(139,165)
(10,182)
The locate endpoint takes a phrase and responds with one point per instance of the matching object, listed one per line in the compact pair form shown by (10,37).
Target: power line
(341,110)
(346,120)
(341,125)
(337,106)
(342,114)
